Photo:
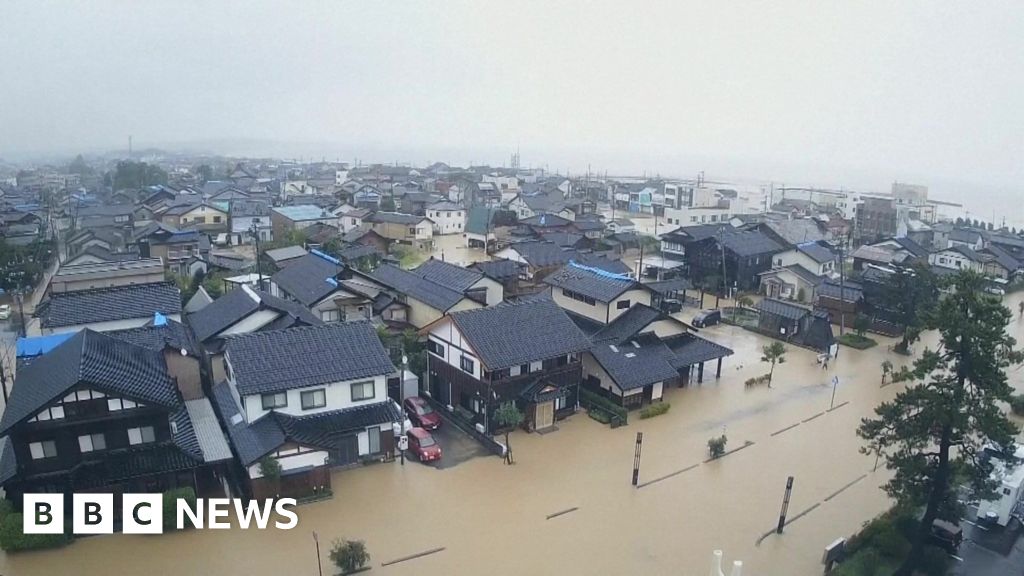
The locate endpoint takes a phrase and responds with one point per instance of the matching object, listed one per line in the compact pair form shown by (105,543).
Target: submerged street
(567,506)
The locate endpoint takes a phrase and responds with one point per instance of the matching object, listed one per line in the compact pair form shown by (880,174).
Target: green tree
(861,324)
(909,295)
(886,369)
(130,174)
(387,204)
(79,166)
(933,433)
(204,173)
(508,416)
(774,353)
(744,302)
(349,555)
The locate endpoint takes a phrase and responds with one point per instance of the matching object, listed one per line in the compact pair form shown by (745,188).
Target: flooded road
(493,518)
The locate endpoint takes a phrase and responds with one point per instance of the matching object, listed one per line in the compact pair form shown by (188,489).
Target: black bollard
(636,457)
(785,505)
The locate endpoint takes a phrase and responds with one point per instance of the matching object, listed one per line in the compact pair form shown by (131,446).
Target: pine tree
(934,432)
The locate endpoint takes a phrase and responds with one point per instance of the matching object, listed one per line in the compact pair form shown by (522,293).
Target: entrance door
(348,452)
(545,415)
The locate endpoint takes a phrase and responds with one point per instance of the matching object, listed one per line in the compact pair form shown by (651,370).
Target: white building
(448,217)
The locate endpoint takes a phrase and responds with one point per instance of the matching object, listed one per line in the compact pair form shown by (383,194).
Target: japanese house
(113,308)
(528,353)
(101,414)
(311,398)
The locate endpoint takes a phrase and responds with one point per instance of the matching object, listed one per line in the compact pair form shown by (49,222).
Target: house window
(622,305)
(277,400)
(142,435)
(373,435)
(435,348)
(313,399)
(536,366)
(44,449)
(412,231)
(216,219)
(330,315)
(466,363)
(560,403)
(515,371)
(91,442)
(362,391)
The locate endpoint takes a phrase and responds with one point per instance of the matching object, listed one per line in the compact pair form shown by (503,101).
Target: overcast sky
(855,93)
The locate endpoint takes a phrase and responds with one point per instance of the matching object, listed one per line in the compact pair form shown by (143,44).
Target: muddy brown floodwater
(491,518)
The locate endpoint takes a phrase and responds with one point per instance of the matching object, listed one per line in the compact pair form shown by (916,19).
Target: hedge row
(590,399)
(655,410)
(171,498)
(12,539)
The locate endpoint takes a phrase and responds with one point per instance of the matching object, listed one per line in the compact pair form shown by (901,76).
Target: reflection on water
(491,517)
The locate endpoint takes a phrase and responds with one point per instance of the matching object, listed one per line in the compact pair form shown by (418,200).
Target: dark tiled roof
(543,254)
(395,218)
(509,334)
(109,304)
(964,235)
(816,252)
(545,221)
(967,253)
(749,243)
(107,364)
(171,334)
(1004,258)
(801,272)
(415,286)
(665,286)
(628,324)
(278,360)
(602,286)
(562,239)
(251,442)
(239,303)
(689,349)
(447,274)
(784,309)
(604,262)
(305,278)
(912,247)
(831,289)
(499,270)
(635,365)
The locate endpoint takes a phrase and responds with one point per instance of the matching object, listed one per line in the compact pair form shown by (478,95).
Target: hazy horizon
(811,94)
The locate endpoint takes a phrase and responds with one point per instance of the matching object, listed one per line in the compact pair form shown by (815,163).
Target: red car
(422,414)
(423,445)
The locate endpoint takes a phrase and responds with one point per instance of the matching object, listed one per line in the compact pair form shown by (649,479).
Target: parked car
(422,414)
(706,318)
(423,445)
(5,311)
(671,306)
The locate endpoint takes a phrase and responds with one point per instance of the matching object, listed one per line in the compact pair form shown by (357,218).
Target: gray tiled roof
(831,289)
(306,279)
(395,218)
(633,366)
(239,303)
(110,304)
(448,274)
(209,437)
(603,287)
(816,252)
(784,309)
(542,254)
(689,349)
(415,286)
(562,239)
(511,334)
(251,442)
(750,242)
(171,334)
(545,221)
(285,253)
(107,364)
(628,324)
(499,270)
(277,360)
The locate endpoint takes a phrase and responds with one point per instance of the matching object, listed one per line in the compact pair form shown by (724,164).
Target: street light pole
(259,265)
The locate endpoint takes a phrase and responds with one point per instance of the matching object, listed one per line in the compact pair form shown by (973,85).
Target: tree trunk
(771,373)
(936,497)
(508,450)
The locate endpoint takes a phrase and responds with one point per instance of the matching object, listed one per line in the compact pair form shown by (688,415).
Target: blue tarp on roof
(38,345)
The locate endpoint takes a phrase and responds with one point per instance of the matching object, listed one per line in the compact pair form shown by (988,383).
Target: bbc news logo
(143,513)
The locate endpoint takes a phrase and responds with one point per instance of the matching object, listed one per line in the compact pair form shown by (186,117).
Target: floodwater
(452,248)
(493,518)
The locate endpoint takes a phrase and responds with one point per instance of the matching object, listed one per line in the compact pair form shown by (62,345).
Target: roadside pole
(636,457)
(785,506)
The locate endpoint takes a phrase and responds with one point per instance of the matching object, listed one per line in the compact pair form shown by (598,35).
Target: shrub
(349,555)
(590,399)
(1017,404)
(757,380)
(856,341)
(655,410)
(716,446)
(12,539)
(171,498)
(6,507)
(270,468)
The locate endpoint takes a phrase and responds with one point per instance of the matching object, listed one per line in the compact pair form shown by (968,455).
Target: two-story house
(311,398)
(314,280)
(527,352)
(175,247)
(101,414)
(242,311)
(448,217)
(402,228)
(746,254)
(109,308)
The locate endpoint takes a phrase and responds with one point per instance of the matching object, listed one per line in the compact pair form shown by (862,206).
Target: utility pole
(3,377)
(636,457)
(785,506)
(259,265)
(842,285)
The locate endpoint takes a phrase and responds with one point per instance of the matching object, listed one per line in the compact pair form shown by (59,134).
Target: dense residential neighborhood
(263,329)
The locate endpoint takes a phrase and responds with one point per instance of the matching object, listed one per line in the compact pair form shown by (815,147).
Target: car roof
(419,433)
(416,400)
